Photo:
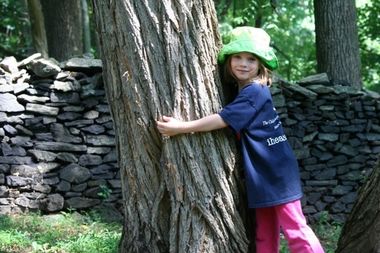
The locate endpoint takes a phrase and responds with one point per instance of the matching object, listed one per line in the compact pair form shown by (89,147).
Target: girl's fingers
(166,118)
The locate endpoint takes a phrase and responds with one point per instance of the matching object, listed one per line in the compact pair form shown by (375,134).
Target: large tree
(64,29)
(37,27)
(337,41)
(181,194)
(361,231)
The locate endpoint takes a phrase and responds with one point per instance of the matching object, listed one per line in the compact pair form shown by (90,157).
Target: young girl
(271,169)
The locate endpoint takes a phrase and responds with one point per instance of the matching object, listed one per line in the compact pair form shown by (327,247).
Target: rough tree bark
(63,24)
(337,41)
(37,27)
(361,231)
(180,194)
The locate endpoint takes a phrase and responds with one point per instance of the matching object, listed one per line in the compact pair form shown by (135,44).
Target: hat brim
(266,55)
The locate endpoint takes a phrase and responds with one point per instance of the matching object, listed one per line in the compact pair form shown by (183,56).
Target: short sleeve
(239,113)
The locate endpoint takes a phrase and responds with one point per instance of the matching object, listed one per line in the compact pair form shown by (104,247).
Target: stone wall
(335,134)
(58,148)
(57,139)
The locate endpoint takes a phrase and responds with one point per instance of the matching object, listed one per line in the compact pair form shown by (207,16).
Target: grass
(73,232)
(70,232)
(327,232)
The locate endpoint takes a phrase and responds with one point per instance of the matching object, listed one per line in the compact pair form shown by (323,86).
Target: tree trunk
(182,194)
(361,231)
(86,28)
(64,29)
(37,27)
(337,41)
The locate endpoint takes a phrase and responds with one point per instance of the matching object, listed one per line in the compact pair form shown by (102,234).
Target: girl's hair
(264,76)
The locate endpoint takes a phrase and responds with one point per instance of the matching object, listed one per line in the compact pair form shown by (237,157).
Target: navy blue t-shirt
(271,169)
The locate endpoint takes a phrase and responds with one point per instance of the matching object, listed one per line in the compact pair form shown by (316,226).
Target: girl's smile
(244,67)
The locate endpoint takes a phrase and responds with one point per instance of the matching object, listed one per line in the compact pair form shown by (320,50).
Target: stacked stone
(335,134)
(58,143)
(57,139)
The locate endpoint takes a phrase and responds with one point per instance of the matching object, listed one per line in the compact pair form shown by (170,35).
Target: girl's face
(245,67)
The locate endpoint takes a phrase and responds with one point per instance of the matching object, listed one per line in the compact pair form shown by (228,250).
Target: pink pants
(288,217)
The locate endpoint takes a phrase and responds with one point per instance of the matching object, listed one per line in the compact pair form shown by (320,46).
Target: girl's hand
(169,126)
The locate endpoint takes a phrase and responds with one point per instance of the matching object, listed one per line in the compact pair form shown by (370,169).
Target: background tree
(37,27)
(64,28)
(180,194)
(361,230)
(337,41)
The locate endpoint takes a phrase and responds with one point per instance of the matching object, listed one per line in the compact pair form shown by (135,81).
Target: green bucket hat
(252,40)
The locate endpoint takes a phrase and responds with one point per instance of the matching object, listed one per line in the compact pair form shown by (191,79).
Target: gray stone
(12,150)
(39,187)
(91,114)
(24,130)
(42,156)
(71,98)
(4,192)
(80,123)
(79,187)
(110,157)
(63,186)
(321,89)
(67,157)
(60,146)
(44,67)
(69,116)
(349,198)
(86,160)
(115,183)
(83,64)
(303,91)
(66,86)
(98,150)
(33,99)
(47,167)
(8,103)
(15,160)
(16,181)
(62,134)
(337,160)
(100,140)
(94,129)
(320,78)
(81,202)
(326,174)
(101,169)
(328,137)
(24,170)
(42,109)
(53,203)
(9,64)
(341,190)
(74,173)
(51,180)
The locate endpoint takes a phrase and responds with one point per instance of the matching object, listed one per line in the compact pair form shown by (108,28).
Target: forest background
(290,24)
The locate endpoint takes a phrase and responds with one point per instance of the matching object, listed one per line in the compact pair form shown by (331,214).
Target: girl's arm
(170,126)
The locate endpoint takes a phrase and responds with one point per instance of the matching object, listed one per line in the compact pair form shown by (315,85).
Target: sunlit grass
(327,232)
(60,233)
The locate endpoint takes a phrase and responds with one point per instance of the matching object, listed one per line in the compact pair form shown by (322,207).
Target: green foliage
(14,29)
(369,27)
(104,192)
(327,232)
(65,232)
